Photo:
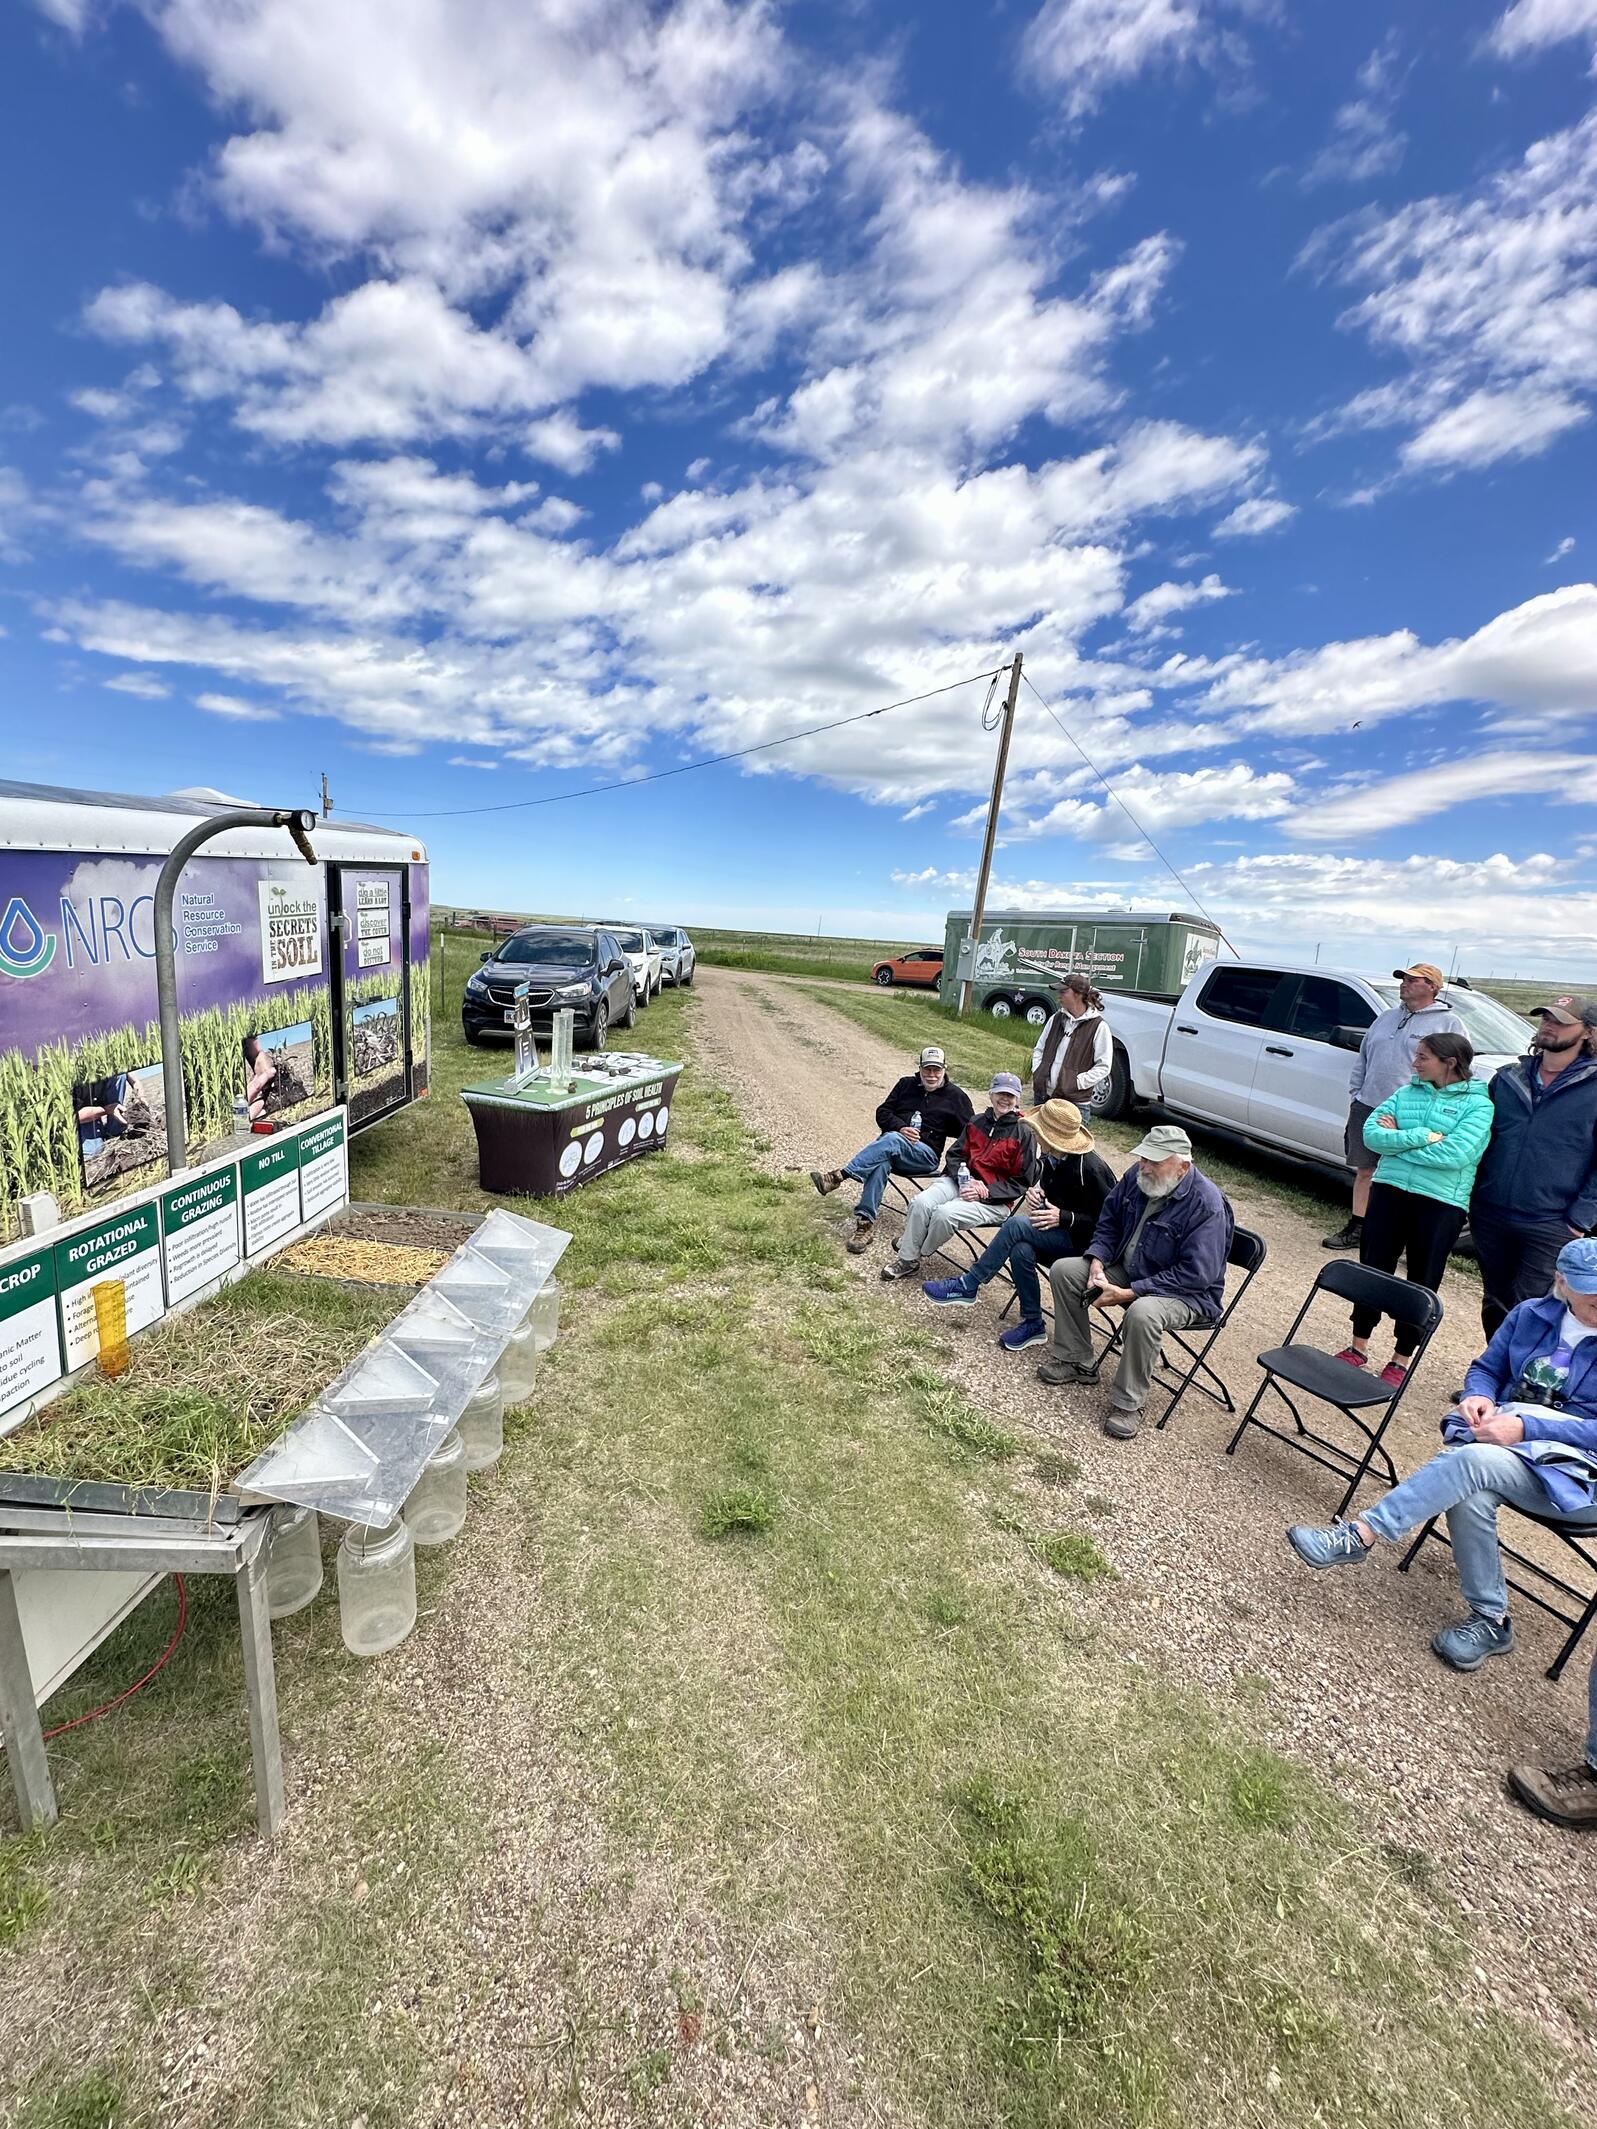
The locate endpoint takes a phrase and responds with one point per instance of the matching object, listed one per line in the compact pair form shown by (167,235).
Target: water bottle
(964,1175)
(914,1122)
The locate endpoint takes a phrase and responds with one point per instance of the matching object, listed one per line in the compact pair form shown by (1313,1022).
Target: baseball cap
(1006,1083)
(1577,1263)
(1426,970)
(1161,1142)
(1570,1012)
(932,1055)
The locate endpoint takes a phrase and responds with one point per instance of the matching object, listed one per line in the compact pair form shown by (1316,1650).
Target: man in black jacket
(1537,1182)
(924,1110)
(1056,1219)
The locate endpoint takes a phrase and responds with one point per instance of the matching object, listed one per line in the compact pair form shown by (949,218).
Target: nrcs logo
(26,948)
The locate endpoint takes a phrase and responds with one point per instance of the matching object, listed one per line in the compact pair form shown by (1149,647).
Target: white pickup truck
(1264,1050)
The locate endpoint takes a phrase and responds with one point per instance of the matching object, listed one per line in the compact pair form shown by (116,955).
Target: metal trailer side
(1023,953)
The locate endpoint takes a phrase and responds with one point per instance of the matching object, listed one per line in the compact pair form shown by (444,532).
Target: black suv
(563,966)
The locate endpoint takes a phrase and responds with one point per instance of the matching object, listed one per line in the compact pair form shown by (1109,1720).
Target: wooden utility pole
(327,803)
(980,909)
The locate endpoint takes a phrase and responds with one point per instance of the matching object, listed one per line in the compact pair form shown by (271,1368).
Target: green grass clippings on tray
(204,1393)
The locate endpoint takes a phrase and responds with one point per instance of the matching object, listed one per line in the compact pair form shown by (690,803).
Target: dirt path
(1210,1594)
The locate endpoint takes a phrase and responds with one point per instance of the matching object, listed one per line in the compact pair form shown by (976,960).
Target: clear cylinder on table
(437,1505)
(376,1587)
(518,1363)
(482,1424)
(293,1561)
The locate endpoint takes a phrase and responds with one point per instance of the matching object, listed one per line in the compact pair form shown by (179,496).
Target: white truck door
(1300,1088)
(1217,1033)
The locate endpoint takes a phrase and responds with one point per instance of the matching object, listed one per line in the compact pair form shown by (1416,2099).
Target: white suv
(677,958)
(645,958)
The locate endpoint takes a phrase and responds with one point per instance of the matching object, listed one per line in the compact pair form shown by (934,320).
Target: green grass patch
(1071,1554)
(737,1511)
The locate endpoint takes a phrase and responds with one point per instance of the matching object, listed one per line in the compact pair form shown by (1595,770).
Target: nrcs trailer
(1022,953)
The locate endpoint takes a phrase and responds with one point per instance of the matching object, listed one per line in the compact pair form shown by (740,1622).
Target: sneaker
(1347,1236)
(860,1239)
(1123,1426)
(1394,1374)
(950,1293)
(1565,1797)
(1336,1545)
(1030,1330)
(896,1268)
(1061,1371)
(1466,1647)
(1353,1357)
(826,1180)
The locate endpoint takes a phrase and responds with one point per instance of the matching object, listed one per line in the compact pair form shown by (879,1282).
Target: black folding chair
(1350,1391)
(1571,1534)
(1246,1254)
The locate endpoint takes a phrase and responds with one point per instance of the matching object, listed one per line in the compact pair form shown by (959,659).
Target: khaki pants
(935,1214)
(1142,1332)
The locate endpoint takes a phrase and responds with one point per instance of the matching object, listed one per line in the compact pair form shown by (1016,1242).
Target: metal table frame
(63,1538)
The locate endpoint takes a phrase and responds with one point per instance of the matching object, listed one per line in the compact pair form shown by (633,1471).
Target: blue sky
(478,401)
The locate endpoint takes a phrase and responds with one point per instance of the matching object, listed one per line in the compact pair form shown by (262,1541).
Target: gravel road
(1210,1595)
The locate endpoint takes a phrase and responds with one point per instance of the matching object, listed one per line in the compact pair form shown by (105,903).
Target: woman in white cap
(987,1171)
(1055,1219)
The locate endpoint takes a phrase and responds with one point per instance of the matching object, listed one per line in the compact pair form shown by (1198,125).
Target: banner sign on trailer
(291,931)
(30,1337)
(323,1166)
(199,1231)
(126,1246)
(270,1182)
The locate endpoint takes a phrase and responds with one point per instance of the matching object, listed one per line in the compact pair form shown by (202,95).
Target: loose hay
(334,1256)
(205,1393)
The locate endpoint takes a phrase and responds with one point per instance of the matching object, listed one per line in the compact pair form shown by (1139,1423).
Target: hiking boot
(860,1239)
(1062,1371)
(1123,1426)
(1031,1330)
(1466,1647)
(1348,1236)
(896,1268)
(1566,1796)
(1337,1545)
(950,1293)
(826,1180)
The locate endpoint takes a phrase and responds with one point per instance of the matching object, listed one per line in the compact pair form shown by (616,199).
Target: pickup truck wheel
(884,977)
(1116,1097)
(1038,1011)
(1001,1008)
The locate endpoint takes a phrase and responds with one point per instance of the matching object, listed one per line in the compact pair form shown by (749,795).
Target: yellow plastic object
(111,1325)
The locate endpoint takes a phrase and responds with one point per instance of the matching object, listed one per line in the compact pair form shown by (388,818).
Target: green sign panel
(270,1180)
(30,1336)
(199,1231)
(323,1166)
(125,1245)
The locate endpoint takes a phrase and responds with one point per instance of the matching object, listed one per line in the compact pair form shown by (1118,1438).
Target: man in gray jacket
(1386,1062)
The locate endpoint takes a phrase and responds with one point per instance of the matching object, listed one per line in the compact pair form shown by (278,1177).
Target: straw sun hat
(1058,1124)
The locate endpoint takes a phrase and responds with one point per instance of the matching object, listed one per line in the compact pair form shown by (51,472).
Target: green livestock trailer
(1022,953)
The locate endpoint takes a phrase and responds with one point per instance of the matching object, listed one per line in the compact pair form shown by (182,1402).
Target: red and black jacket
(1000,1152)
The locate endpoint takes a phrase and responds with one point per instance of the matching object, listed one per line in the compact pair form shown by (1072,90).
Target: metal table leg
(19,1719)
(260,1684)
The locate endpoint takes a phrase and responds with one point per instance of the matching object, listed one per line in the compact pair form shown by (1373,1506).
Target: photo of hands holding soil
(279,1070)
(121,1123)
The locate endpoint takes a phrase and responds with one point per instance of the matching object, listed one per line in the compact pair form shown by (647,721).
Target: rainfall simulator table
(544,1135)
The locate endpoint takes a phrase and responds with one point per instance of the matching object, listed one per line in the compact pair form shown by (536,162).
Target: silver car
(677,958)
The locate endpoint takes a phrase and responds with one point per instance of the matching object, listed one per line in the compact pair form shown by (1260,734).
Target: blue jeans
(891,1154)
(1023,1247)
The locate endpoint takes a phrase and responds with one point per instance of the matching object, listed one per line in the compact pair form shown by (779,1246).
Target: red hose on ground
(159,1664)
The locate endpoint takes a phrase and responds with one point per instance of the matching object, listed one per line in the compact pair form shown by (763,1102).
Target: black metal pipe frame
(299,821)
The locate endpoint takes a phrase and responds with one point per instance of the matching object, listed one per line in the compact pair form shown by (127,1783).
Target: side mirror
(487,954)
(1347,1038)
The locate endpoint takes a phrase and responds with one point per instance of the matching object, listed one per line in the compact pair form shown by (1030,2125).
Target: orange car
(921,967)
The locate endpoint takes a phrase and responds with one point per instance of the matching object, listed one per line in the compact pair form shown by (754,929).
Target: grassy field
(812,1637)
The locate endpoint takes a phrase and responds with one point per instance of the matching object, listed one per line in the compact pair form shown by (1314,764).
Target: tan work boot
(860,1239)
(826,1180)
(1565,1796)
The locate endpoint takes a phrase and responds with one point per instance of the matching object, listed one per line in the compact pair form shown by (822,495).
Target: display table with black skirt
(544,1135)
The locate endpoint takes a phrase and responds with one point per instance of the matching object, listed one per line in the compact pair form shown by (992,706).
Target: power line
(710,761)
(1126,810)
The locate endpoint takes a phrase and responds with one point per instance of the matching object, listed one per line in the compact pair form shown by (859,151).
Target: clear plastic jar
(293,1561)
(376,1587)
(544,1315)
(482,1425)
(437,1505)
(518,1363)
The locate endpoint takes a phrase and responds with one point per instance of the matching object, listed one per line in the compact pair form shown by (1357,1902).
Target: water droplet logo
(26,948)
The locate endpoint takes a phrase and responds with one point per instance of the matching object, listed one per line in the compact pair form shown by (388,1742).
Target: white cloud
(234,706)
(1147,614)
(68,14)
(1393,801)
(1259,513)
(1156,801)
(915,813)
(1365,140)
(147,685)
(1530,25)
(1086,48)
(1565,546)
(1488,298)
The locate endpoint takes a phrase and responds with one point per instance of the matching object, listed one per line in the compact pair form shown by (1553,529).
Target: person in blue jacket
(1525,1433)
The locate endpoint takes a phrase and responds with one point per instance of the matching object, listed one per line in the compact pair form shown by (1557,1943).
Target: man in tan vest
(1074,1055)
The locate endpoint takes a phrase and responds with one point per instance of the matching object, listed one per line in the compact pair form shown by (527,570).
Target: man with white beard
(1159,1252)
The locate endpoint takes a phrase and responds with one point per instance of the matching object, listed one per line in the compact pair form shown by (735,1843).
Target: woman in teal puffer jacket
(1430,1137)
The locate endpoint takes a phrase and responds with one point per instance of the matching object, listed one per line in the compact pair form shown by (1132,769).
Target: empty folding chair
(1351,1391)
